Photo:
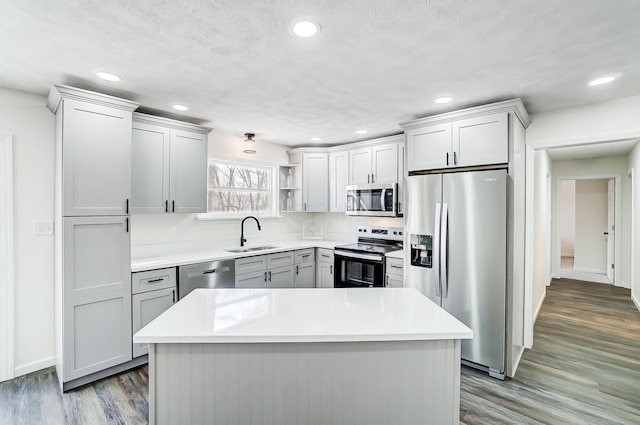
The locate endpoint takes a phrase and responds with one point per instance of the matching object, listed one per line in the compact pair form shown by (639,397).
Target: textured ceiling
(375,63)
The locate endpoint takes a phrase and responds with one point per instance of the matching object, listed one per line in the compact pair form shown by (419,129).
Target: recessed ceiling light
(108,76)
(316,139)
(180,108)
(602,80)
(445,99)
(306,29)
(361,131)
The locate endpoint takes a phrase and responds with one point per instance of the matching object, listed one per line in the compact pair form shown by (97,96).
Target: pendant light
(249,143)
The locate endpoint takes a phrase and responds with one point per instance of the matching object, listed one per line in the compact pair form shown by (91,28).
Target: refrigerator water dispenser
(421,250)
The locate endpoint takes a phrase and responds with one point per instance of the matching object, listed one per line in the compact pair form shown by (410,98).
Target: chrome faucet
(242,239)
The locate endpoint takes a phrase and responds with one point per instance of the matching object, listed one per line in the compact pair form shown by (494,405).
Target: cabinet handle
(325,255)
(387,284)
(269,276)
(265,276)
(306,255)
(173,296)
(331,269)
(455,158)
(372,178)
(155,280)
(395,266)
(368,178)
(126,206)
(305,206)
(126,224)
(296,269)
(166,206)
(399,207)
(447,158)
(173,206)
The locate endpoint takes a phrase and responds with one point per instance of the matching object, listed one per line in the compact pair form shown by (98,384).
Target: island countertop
(302,315)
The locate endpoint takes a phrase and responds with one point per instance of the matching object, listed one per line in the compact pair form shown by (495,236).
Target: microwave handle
(383,206)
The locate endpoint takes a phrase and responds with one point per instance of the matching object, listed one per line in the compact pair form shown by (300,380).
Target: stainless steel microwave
(377,200)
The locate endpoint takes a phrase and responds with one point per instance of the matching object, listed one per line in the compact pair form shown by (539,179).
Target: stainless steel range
(362,265)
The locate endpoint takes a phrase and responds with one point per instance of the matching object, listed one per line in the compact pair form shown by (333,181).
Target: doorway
(6,257)
(587,229)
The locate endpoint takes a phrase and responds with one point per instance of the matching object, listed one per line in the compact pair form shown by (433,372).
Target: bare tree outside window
(235,188)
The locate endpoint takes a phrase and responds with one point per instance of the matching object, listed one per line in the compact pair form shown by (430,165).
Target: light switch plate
(42,228)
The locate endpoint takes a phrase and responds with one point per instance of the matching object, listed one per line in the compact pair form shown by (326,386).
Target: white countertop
(161,256)
(395,254)
(302,315)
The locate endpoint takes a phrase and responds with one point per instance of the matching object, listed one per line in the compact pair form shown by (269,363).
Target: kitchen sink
(251,248)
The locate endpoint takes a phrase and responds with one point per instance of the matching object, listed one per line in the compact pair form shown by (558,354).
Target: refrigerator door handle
(444,241)
(436,250)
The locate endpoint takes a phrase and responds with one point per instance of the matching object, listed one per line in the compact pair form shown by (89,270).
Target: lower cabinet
(265,271)
(281,277)
(324,268)
(394,269)
(305,268)
(153,292)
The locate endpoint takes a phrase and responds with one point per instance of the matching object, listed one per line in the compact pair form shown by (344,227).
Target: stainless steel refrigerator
(456,238)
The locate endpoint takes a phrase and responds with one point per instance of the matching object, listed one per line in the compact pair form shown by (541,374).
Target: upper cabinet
(315,182)
(472,137)
(373,164)
(338,180)
(95,151)
(169,166)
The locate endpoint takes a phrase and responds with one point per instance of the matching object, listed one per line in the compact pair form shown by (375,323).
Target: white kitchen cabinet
(315,182)
(96,158)
(280,277)
(255,279)
(290,179)
(153,292)
(273,270)
(324,268)
(169,166)
(374,164)
(147,306)
(394,272)
(401,176)
(305,268)
(480,140)
(338,180)
(96,333)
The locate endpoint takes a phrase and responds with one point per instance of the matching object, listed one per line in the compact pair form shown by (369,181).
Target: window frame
(273,211)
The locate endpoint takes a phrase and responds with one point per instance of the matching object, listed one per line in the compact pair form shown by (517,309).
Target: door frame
(616,221)
(6,259)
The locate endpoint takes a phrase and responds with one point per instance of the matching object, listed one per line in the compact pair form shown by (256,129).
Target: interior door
(474,280)
(610,233)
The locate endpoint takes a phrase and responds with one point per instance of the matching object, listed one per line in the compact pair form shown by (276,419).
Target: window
(236,188)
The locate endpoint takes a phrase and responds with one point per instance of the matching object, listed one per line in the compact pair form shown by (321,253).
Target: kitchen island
(304,356)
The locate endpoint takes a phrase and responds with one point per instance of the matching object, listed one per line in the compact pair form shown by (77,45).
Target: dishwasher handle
(219,270)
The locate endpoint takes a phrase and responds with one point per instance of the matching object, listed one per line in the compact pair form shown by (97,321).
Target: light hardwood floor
(584,368)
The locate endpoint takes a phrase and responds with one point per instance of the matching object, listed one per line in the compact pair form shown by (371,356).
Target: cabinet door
(324,275)
(429,148)
(315,182)
(385,163)
(251,264)
(252,280)
(401,176)
(97,333)
(96,256)
(360,166)
(280,259)
(150,173)
(96,159)
(481,140)
(188,173)
(394,281)
(305,275)
(145,308)
(281,277)
(338,181)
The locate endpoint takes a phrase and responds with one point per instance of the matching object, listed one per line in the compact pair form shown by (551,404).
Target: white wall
(598,122)
(634,168)
(567,221)
(591,223)
(541,229)
(596,168)
(32,125)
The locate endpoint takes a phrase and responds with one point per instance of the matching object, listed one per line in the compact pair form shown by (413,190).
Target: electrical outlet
(42,228)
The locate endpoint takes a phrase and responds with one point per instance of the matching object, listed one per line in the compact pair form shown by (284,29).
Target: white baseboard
(535,314)
(554,276)
(35,366)
(585,270)
(635,301)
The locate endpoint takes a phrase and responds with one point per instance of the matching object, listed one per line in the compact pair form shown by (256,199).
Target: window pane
(239,188)
(237,201)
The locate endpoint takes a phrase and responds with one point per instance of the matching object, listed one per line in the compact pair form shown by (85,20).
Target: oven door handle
(347,254)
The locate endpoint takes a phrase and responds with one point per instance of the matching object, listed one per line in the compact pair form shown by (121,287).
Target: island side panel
(393,382)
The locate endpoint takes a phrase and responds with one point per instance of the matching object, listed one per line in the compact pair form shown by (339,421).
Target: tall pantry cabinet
(92,237)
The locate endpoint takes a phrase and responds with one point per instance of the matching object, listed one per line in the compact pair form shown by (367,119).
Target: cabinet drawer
(251,264)
(252,280)
(279,259)
(305,255)
(152,280)
(394,266)
(325,255)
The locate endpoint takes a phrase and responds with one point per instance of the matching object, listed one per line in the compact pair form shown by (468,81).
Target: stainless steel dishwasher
(214,274)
